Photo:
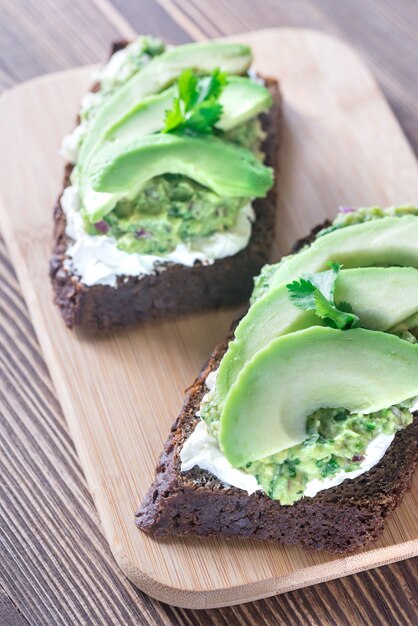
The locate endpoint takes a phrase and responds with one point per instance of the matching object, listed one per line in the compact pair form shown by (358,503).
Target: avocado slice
(158,74)
(241,100)
(360,370)
(145,118)
(382,297)
(227,169)
(386,241)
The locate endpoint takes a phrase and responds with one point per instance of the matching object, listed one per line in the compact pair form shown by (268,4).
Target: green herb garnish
(196,109)
(330,467)
(316,292)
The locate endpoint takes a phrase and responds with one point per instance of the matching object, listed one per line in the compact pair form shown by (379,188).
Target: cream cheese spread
(202,450)
(97,260)
(70,144)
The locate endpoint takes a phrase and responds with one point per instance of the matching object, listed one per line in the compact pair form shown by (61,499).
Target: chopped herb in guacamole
(170,209)
(336,440)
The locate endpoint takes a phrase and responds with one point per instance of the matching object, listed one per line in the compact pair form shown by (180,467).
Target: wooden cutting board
(120,393)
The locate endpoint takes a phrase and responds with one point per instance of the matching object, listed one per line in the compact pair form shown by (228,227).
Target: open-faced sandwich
(301,427)
(169,188)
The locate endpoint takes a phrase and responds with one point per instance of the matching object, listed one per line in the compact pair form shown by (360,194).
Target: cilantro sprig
(196,108)
(316,292)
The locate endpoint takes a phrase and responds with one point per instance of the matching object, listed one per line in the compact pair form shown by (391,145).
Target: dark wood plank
(9,612)
(39,37)
(146,18)
(55,566)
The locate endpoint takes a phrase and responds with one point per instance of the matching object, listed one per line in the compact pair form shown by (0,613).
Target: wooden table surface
(55,566)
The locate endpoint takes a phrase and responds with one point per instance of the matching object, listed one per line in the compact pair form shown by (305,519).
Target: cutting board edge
(250,592)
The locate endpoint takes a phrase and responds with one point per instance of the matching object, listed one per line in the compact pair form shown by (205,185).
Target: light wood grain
(120,393)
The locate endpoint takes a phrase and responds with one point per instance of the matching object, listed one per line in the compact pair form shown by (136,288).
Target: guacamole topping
(171,209)
(336,440)
(132,99)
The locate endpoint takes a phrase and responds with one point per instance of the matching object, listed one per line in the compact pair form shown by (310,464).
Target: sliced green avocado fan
(174,153)
(326,359)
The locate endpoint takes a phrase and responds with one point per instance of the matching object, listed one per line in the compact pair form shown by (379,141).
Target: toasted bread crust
(341,519)
(174,289)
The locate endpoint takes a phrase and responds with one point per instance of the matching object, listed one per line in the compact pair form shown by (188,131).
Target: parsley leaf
(328,467)
(331,315)
(196,108)
(205,117)
(187,89)
(316,292)
(173,117)
(301,293)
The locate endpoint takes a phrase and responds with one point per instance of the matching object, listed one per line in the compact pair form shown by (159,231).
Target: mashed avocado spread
(169,210)
(336,439)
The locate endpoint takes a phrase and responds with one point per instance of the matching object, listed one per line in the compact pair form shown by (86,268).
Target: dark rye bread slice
(173,289)
(341,519)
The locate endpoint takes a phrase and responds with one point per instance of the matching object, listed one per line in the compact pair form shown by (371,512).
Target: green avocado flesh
(158,74)
(336,442)
(226,169)
(171,209)
(241,100)
(267,408)
(144,119)
(386,241)
(294,401)
(381,297)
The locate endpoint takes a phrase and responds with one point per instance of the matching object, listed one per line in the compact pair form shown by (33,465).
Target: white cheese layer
(202,450)
(96,259)
(70,144)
